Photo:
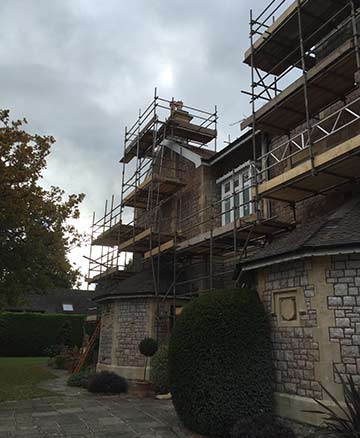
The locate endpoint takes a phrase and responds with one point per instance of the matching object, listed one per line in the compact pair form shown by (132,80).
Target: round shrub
(159,374)
(220,364)
(107,383)
(260,426)
(148,347)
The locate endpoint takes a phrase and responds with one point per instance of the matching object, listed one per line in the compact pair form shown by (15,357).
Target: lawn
(19,377)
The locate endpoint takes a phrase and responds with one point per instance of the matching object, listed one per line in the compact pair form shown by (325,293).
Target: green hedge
(220,361)
(29,334)
(159,373)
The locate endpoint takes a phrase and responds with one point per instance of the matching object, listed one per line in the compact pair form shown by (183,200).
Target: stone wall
(344,276)
(295,349)
(124,324)
(313,306)
(132,325)
(106,334)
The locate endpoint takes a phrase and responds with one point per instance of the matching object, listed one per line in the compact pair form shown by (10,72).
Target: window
(68,307)
(236,195)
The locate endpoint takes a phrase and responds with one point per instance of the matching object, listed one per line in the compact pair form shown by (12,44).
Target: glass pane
(227,187)
(237,203)
(68,307)
(245,178)
(246,201)
(227,215)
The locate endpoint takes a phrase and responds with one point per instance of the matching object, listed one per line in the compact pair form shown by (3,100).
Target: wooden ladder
(88,348)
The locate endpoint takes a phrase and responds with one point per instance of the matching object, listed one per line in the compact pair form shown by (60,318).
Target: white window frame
(239,185)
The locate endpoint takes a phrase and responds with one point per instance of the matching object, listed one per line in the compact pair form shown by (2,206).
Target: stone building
(310,285)
(278,206)
(307,175)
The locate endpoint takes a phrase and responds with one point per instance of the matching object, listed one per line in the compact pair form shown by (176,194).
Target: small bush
(220,361)
(60,362)
(159,375)
(52,351)
(148,347)
(75,380)
(79,379)
(107,383)
(260,426)
(67,359)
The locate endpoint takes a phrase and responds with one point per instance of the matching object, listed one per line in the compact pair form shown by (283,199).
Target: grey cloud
(80,69)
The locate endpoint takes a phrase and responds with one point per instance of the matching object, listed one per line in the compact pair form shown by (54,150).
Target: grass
(20,376)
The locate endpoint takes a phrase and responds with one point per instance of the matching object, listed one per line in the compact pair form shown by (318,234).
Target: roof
(139,285)
(52,301)
(240,142)
(339,229)
(202,152)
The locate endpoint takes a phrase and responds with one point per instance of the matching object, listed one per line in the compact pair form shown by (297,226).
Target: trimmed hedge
(261,426)
(30,334)
(159,374)
(220,361)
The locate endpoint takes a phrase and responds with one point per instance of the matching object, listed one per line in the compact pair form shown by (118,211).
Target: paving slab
(75,413)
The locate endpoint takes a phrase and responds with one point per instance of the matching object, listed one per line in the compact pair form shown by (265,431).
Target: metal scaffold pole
(211,261)
(119,234)
(356,41)
(102,246)
(174,265)
(91,247)
(110,257)
(152,216)
(253,109)
(305,79)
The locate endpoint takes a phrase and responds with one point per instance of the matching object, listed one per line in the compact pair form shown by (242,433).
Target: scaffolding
(305,66)
(200,248)
(305,72)
(149,180)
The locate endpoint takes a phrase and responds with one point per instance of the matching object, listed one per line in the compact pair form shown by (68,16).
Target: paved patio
(74,413)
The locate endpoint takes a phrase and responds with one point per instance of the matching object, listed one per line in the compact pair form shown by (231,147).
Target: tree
(35,235)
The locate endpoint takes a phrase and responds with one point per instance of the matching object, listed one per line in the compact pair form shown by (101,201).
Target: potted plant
(147,347)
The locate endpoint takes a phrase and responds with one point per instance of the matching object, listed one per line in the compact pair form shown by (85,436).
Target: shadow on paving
(74,413)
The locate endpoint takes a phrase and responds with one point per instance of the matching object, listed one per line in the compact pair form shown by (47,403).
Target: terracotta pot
(140,388)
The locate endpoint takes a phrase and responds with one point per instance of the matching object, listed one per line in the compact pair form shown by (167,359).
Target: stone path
(74,413)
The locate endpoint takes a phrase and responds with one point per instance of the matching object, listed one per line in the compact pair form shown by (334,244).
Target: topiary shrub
(148,347)
(260,426)
(107,383)
(159,373)
(220,364)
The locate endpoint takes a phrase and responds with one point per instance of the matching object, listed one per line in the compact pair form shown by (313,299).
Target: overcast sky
(80,69)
